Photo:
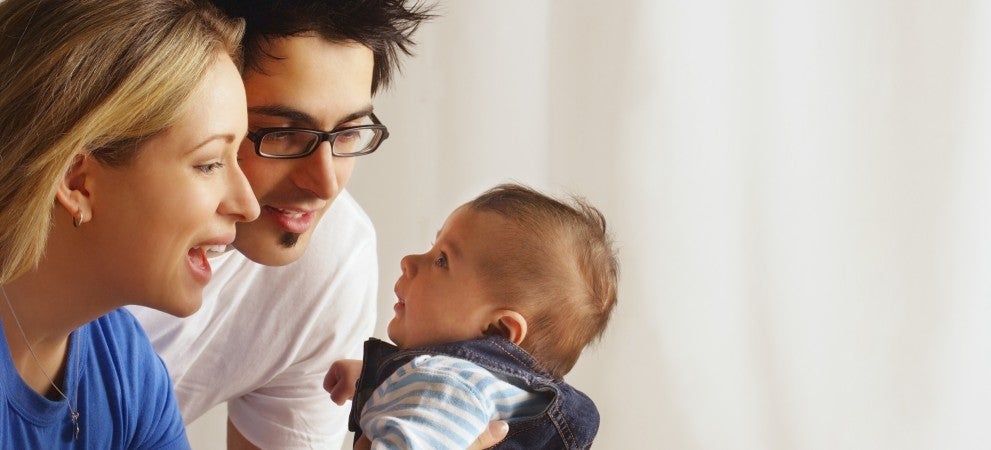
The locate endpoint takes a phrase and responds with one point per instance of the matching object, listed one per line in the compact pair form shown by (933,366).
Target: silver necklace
(73,413)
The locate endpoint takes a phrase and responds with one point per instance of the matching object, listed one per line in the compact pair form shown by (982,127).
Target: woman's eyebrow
(226,137)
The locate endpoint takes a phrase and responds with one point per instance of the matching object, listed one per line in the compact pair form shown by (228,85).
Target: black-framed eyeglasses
(289,143)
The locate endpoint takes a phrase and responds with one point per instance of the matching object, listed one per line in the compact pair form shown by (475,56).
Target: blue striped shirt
(436,402)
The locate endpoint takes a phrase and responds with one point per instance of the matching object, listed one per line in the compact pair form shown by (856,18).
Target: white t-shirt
(266,336)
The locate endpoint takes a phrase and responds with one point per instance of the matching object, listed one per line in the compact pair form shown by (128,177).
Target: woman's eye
(441,260)
(209,168)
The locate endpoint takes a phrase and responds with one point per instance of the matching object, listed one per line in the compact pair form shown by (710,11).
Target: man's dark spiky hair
(384,26)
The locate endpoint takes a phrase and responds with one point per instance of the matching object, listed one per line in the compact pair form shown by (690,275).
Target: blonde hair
(97,76)
(559,271)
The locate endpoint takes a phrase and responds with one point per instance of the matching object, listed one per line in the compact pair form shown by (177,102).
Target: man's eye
(441,260)
(348,136)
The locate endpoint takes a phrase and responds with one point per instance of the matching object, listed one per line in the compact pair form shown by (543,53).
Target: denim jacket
(570,421)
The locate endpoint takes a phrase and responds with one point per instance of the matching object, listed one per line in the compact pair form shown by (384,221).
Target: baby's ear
(508,324)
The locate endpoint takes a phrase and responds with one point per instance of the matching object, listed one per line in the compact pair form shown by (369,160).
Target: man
(269,330)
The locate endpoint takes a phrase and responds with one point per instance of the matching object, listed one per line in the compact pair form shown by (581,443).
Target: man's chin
(280,250)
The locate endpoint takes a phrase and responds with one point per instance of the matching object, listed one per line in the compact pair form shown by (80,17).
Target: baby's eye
(441,261)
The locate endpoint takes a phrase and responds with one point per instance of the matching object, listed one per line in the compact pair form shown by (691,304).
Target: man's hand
(495,432)
(341,378)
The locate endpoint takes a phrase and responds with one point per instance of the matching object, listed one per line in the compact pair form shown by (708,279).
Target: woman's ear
(72,193)
(508,324)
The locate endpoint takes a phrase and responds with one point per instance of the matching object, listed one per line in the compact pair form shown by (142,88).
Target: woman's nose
(240,201)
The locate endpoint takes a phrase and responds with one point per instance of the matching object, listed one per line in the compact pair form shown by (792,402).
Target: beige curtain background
(800,191)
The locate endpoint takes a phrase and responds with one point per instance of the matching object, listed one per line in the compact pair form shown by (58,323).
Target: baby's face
(441,297)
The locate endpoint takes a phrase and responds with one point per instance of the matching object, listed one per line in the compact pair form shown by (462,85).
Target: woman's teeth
(212,249)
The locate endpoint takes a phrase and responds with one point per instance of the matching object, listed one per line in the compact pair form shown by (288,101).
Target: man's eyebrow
(364,112)
(293,115)
(297,116)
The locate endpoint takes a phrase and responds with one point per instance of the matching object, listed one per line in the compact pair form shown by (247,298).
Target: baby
(487,323)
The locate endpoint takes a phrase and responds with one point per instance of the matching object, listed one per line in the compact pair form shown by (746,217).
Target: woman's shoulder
(120,323)
(129,378)
(117,339)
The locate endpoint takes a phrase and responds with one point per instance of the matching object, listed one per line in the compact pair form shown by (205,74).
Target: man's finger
(495,432)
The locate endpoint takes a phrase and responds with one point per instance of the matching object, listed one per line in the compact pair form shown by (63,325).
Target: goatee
(289,240)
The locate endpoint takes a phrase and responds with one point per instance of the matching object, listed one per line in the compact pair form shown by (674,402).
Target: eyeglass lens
(294,142)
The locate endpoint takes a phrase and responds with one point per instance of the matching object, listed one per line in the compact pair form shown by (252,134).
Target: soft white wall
(795,187)
(799,191)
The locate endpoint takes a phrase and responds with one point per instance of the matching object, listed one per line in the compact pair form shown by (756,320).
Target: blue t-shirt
(116,382)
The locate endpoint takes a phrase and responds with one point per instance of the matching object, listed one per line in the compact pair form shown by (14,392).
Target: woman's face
(156,219)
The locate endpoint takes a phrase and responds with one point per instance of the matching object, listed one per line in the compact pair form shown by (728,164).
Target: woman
(119,127)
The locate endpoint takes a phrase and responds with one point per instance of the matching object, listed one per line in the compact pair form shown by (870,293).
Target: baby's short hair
(560,271)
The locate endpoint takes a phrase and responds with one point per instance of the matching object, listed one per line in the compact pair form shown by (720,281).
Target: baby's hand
(341,378)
